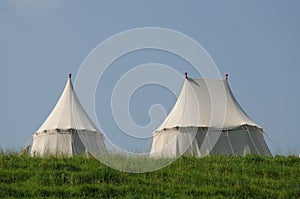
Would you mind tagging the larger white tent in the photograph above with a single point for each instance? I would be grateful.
(68, 130)
(207, 119)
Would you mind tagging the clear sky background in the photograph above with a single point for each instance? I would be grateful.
(256, 42)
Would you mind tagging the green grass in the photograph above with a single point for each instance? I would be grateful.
(188, 177)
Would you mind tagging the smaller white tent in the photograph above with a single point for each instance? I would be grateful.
(68, 130)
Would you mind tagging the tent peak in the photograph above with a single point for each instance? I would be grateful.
(186, 75)
(70, 75)
(226, 76)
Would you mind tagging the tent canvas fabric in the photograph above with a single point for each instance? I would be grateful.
(207, 119)
(68, 130)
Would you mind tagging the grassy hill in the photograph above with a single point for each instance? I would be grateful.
(188, 177)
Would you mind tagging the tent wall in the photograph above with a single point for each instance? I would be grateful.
(66, 142)
(198, 141)
(94, 141)
(173, 142)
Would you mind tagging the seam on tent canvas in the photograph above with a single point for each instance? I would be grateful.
(186, 147)
(208, 141)
(154, 142)
(247, 129)
(229, 141)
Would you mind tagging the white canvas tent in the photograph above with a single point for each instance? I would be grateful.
(207, 119)
(68, 130)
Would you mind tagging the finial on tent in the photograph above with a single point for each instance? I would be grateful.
(70, 75)
(186, 75)
(226, 76)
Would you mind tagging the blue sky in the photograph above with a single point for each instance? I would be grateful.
(256, 42)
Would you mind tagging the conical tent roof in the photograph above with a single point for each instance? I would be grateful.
(68, 113)
(68, 130)
(206, 103)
